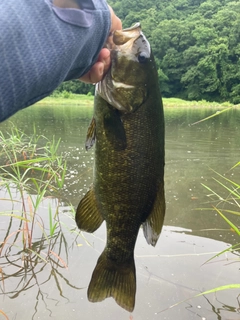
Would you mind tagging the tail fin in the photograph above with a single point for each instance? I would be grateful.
(110, 279)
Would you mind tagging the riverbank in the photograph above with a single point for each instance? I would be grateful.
(67, 98)
(75, 99)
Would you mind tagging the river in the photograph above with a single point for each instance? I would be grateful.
(169, 275)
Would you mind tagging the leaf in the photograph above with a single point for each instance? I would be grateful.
(28, 162)
(234, 247)
(209, 189)
(4, 314)
(14, 216)
(235, 228)
(59, 258)
(236, 165)
(212, 116)
(226, 287)
(37, 254)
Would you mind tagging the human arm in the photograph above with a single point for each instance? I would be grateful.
(42, 45)
(103, 63)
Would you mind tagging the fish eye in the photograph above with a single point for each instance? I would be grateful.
(143, 57)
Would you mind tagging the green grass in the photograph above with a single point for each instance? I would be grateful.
(176, 102)
(230, 197)
(32, 174)
(66, 98)
(31, 171)
(33, 237)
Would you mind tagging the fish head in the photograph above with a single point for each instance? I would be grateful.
(126, 85)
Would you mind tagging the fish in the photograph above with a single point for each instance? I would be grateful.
(127, 129)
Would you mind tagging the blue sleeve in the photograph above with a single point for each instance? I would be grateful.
(42, 45)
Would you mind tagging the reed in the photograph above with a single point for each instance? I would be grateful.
(32, 175)
(33, 171)
(229, 196)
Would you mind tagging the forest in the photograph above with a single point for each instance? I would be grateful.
(196, 44)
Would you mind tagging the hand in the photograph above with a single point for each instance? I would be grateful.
(98, 70)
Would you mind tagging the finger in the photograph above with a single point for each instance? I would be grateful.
(95, 74)
(104, 57)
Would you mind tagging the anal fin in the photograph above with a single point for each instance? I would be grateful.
(153, 225)
(88, 216)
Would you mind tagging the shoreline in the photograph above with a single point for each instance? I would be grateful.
(81, 99)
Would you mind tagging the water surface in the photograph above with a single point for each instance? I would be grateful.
(173, 271)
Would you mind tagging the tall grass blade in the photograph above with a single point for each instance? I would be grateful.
(28, 162)
(233, 192)
(213, 192)
(38, 255)
(14, 216)
(4, 314)
(228, 221)
(226, 287)
(217, 113)
(232, 248)
(52, 224)
(236, 165)
(221, 288)
(59, 258)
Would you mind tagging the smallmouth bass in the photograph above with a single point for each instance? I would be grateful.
(128, 188)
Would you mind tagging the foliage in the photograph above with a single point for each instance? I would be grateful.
(195, 43)
(33, 173)
(31, 178)
(231, 198)
(74, 86)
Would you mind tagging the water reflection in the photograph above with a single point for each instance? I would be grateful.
(43, 261)
(33, 288)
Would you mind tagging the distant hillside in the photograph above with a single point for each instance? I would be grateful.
(196, 44)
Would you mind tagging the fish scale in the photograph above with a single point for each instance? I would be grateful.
(128, 186)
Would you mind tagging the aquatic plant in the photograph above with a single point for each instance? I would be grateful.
(230, 198)
(226, 203)
(31, 179)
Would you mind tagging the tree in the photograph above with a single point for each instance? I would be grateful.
(196, 44)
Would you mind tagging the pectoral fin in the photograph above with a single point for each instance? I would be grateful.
(153, 225)
(91, 135)
(114, 129)
(88, 217)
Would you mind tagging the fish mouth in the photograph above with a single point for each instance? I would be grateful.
(113, 88)
(121, 37)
